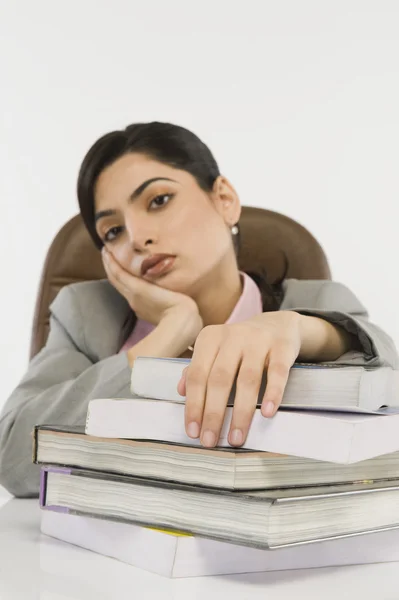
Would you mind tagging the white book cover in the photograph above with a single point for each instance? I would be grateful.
(176, 555)
(313, 386)
(330, 436)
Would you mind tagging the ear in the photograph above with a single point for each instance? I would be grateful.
(226, 201)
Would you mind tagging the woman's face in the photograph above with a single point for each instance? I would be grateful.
(144, 207)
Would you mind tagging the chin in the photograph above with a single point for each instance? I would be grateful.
(175, 282)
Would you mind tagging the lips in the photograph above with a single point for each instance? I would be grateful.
(150, 262)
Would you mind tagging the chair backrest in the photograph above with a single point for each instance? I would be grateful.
(268, 239)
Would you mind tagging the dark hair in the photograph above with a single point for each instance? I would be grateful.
(169, 144)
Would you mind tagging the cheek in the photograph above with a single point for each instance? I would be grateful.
(124, 256)
(206, 246)
(122, 253)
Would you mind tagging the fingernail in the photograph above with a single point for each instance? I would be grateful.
(193, 429)
(268, 410)
(208, 439)
(236, 437)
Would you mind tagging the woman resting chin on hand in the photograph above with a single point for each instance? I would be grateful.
(195, 292)
(153, 198)
(171, 312)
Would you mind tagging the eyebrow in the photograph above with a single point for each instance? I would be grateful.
(133, 196)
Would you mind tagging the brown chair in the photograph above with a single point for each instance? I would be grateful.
(268, 239)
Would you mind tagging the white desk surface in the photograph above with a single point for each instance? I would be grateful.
(33, 567)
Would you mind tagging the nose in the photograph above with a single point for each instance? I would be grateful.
(140, 232)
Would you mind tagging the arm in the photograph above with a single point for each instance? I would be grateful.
(361, 342)
(172, 336)
(60, 382)
(322, 341)
(57, 387)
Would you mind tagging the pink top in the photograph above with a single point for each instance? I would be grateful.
(248, 305)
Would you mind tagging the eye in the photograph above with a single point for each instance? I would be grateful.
(112, 234)
(159, 200)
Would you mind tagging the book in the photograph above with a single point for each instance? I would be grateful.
(263, 519)
(329, 436)
(174, 555)
(227, 468)
(320, 385)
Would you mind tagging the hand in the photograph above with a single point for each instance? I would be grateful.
(222, 352)
(148, 300)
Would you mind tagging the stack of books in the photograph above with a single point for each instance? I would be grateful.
(306, 484)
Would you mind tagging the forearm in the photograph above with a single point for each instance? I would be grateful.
(170, 338)
(323, 341)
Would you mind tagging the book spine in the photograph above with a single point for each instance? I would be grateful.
(43, 488)
(35, 444)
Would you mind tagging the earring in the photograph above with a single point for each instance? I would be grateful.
(234, 230)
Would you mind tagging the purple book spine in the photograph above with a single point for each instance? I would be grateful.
(43, 488)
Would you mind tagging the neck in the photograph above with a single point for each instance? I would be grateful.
(219, 294)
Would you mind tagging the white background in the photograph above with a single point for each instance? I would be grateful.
(298, 100)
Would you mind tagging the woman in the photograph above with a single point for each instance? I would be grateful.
(167, 223)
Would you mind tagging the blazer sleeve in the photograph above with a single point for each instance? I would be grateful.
(57, 387)
(336, 303)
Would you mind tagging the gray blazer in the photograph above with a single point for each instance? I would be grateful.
(80, 362)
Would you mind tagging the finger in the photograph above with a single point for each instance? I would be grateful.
(109, 266)
(116, 272)
(181, 386)
(278, 370)
(109, 273)
(220, 383)
(196, 377)
(248, 384)
(125, 282)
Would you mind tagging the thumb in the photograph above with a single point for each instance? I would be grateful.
(181, 386)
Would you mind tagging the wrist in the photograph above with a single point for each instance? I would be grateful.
(321, 340)
(176, 331)
(185, 321)
(313, 335)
